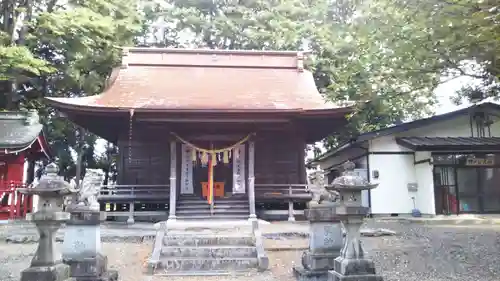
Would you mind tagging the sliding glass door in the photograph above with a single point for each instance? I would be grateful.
(445, 190)
(479, 189)
(490, 193)
(468, 189)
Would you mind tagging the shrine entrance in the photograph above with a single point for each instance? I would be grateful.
(222, 177)
(213, 169)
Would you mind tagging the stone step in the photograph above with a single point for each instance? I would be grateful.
(197, 240)
(219, 206)
(215, 211)
(176, 264)
(212, 217)
(216, 202)
(202, 273)
(204, 251)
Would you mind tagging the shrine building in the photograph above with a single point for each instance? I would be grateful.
(22, 143)
(207, 133)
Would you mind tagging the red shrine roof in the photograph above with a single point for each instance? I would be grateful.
(184, 79)
(20, 131)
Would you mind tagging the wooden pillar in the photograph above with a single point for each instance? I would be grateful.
(291, 217)
(131, 210)
(173, 179)
(251, 179)
(302, 163)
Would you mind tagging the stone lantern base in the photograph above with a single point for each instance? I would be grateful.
(82, 247)
(353, 270)
(58, 272)
(325, 242)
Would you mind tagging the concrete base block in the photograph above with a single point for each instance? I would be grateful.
(58, 272)
(319, 261)
(353, 270)
(91, 269)
(335, 276)
(302, 274)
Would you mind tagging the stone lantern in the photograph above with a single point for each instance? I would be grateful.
(47, 262)
(352, 263)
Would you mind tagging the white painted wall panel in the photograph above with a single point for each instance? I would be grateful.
(395, 172)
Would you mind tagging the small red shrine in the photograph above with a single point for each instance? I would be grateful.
(22, 143)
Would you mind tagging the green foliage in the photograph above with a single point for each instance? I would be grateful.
(65, 50)
(256, 24)
(343, 60)
(18, 62)
(451, 38)
(389, 55)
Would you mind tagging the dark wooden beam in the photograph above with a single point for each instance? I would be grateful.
(214, 120)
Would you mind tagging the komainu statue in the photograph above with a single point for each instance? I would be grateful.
(317, 186)
(90, 187)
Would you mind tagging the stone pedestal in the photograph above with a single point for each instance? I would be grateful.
(325, 243)
(82, 247)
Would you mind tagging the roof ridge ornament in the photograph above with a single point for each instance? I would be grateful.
(300, 61)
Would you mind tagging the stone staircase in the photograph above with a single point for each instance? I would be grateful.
(195, 208)
(205, 251)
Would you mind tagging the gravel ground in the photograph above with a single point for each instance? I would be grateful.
(416, 253)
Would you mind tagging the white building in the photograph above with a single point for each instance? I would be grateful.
(445, 164)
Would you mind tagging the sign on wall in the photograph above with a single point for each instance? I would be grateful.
(186, 170)
(480, 161)
(239, 169)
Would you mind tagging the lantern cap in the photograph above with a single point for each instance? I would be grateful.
(351, 180)
(50, 184)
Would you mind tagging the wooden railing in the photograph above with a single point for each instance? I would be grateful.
(137, 193)
(13, 204)
(289, 193)
(294, 192)
(131, 200)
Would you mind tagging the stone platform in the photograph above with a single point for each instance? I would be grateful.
(195, 249)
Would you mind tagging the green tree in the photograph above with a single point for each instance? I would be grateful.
(392, 54)
(343, 67)
(450, 38)
(66, 50)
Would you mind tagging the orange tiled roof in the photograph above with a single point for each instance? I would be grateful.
(180, 79)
